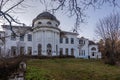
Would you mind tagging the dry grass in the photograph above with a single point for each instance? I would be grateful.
(70, 69)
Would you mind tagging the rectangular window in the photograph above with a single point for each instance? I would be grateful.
(67, 40)
(61, 40)
(29, 50)
(13, 50)
(66, 51)
(29, 37)
(13, 36)
(72, 40)
(21, 37)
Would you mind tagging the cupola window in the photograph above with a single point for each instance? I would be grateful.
(56, 25)
(49, 23)
(39, 22)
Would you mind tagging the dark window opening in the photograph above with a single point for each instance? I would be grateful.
(72, 40)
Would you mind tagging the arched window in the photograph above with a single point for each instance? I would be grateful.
(49, 49)
(39, 49)
(93, 48)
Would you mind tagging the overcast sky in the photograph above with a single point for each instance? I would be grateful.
(66, 23)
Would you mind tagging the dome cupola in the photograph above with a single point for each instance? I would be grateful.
(45, 19)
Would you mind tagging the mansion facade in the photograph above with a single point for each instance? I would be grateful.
(45, 38)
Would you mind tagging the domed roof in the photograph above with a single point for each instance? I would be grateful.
(46, 15)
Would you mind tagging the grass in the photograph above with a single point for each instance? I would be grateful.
(70, 69)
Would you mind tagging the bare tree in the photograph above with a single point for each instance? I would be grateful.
(7, 7)
(77, 8)
(108, 29)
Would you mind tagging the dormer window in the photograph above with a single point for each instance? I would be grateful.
(81, 42)
(49, 23)
(39, 22)
(93, 48)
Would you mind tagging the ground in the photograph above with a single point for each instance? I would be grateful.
(70, 69)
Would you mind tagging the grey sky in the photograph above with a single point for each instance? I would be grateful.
(87, 30)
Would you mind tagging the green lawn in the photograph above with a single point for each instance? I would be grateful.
(70, 69)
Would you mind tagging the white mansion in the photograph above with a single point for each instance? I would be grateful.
(45, 38)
